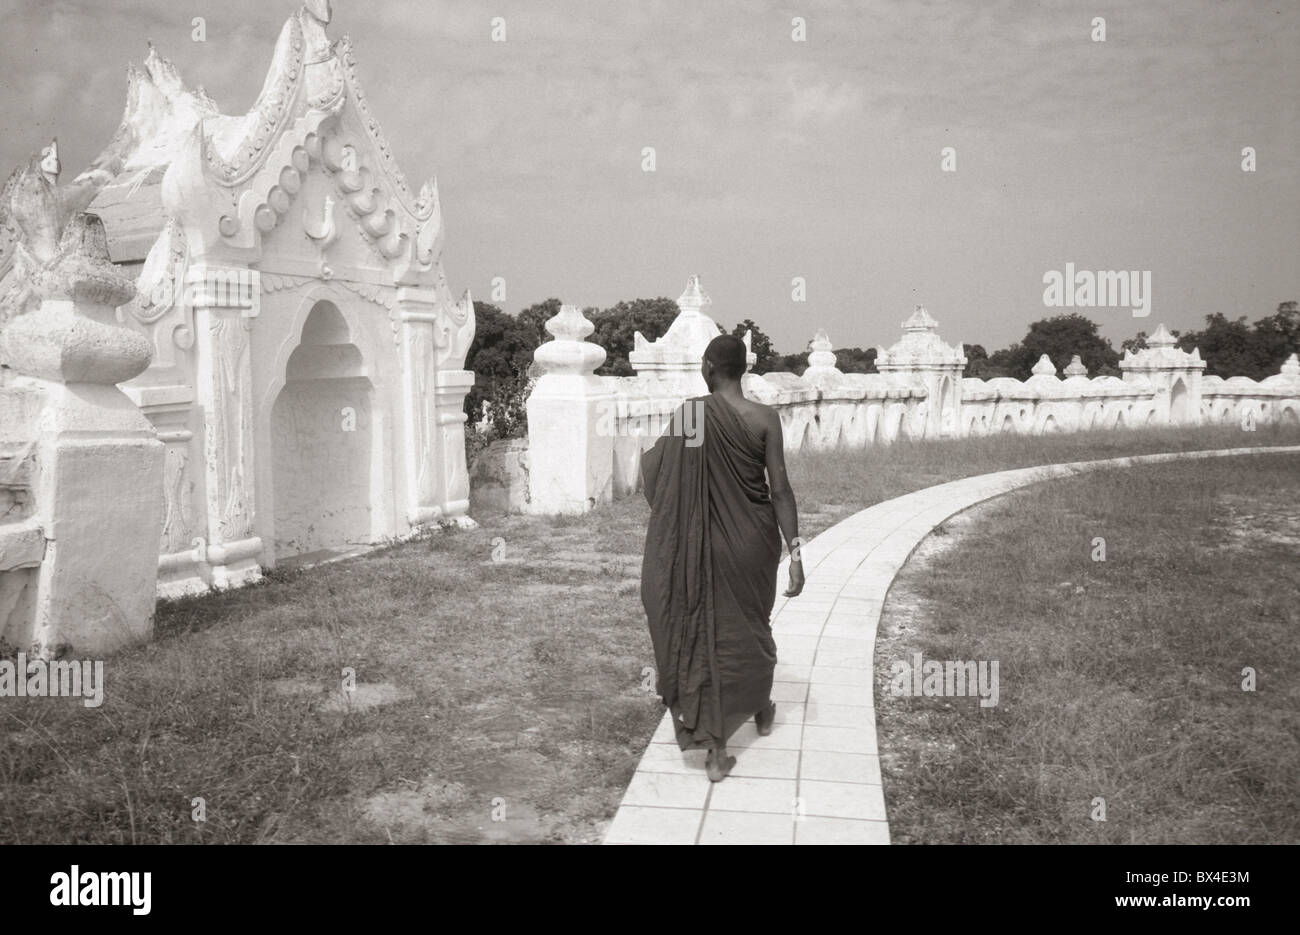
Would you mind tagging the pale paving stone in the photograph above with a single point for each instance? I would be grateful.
(666, 758)
(860, 739)
(863, 606)
(840, 800)
(841, 831)
(858, 628)
(764, 763)
(796, 644)
(784, 736)
(822, 695)
(796, 692)
(789, 616)
(789, 713)
(820, 605)
(840, 767)
(787, 673)
(842, 660)
(795, 657)
(845, 644)
(635, 824)
(747, 828)
(667, 790)
(838, 715)
(782, 628)
(664, 733)
(748, 794)
(834, 675)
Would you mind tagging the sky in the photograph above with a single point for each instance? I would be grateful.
(775, 158)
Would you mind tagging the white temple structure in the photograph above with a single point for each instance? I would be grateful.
(307, 377)
(584, 447)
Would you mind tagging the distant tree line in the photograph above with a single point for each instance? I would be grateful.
(501, 354)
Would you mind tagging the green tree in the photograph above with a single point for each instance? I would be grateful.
(1136, 343)
(533, 320)
(1231, 348)
(856, 359)
(790, 363)
(1279, 335)
(499, 356)
(616, 327)
(759, 343)
(1060, 338)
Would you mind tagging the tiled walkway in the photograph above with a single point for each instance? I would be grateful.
(816, 778)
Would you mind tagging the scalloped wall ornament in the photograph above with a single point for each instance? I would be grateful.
(383, 296)
(279, 282)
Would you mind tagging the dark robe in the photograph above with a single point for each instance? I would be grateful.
(708, 579)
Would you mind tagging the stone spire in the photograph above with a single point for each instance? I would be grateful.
(674, 359)
(919, 346)
(1160, 354)
(569, 353)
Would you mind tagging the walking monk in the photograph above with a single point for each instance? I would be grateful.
(708, 581)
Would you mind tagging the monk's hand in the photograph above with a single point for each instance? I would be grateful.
(796, 578)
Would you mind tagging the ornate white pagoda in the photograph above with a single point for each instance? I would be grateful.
(307, 376)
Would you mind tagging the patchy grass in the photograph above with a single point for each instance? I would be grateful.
(1119, 678)
(486, 689)
(834, 485)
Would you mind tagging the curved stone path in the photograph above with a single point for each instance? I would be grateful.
(816, 778)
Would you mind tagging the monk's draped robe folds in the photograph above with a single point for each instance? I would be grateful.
(708, 580)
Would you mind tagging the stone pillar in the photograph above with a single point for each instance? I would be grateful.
(1174, 374)
(449, 395)
(434, 401)
(417, 318)
(100, 465)
(225, 301)
(570, 445)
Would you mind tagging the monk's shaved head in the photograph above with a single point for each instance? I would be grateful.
(728, 355)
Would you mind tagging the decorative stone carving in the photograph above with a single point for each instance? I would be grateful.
(821, 362)
(672, 363)
(1044, 367)
(100, 466)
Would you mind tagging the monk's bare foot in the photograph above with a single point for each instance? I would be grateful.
(718, 764)
(764, 719)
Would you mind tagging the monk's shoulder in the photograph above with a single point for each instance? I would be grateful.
(762, 417)
(767, 413)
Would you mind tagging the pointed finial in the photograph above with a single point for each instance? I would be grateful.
(694, 298)
(820, 355)
(1044, 367)
(1161, 338)
(920, 320)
